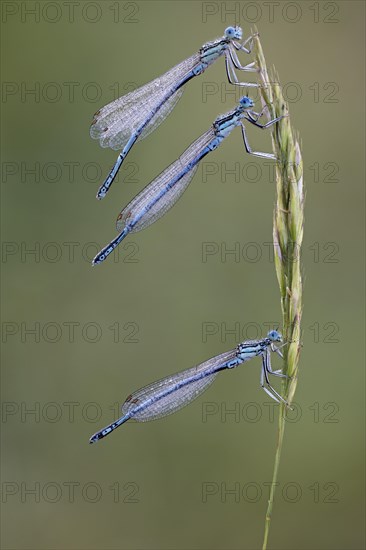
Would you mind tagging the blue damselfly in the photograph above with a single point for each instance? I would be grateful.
(135, 115)
(164, 191)
(170, 394)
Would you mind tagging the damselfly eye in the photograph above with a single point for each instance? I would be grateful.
(275, 336)
(230, 32)
(246, 102)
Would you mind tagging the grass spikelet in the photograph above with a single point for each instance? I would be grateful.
(288, 224)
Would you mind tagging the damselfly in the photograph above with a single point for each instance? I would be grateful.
(164, 191)
(135, 115)
(176, 391)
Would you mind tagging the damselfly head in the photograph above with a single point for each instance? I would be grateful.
(233, 33)
(274, 336)
(245, 102)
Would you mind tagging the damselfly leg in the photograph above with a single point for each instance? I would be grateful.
(264, 381)
(248, 149)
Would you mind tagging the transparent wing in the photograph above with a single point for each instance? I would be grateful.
(174, 392)
(114, 123)
(154, 191)
(162, 113)
(116, 136)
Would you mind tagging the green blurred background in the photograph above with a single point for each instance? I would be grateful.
(164, 305)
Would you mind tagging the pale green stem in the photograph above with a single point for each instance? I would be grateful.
(288, 223)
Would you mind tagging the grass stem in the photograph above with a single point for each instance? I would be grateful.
(288, 223)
